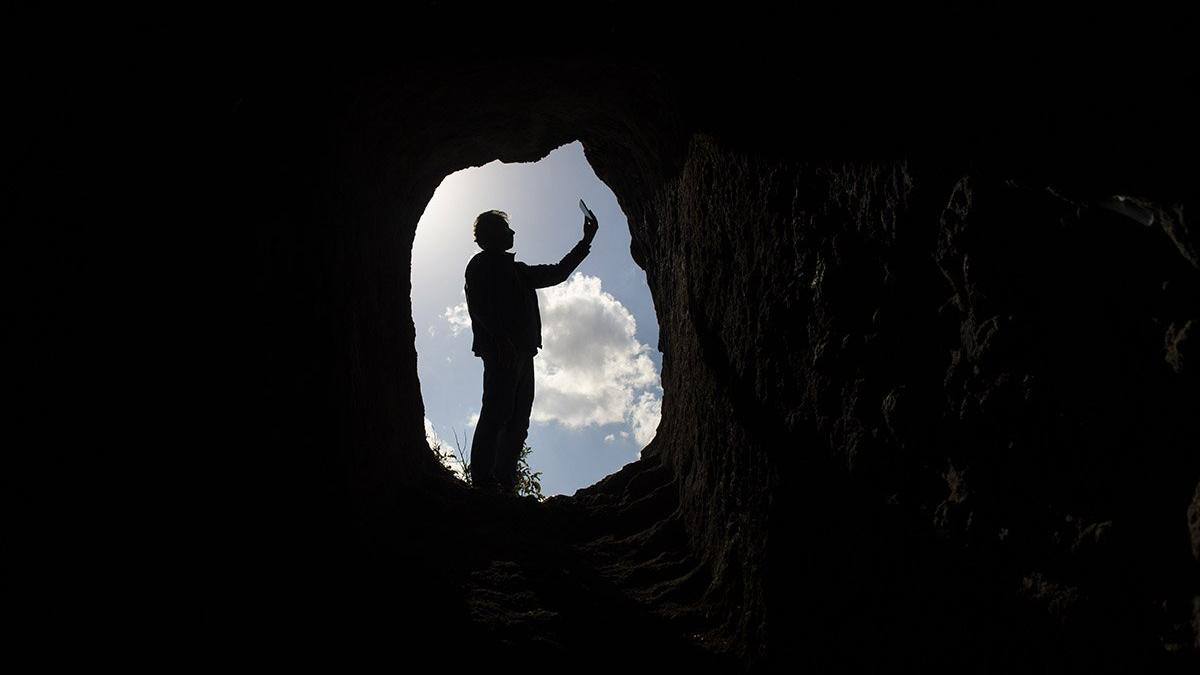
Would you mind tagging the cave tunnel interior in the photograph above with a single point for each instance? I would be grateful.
(928, 399)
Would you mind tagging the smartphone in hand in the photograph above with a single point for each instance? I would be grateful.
(586, 211)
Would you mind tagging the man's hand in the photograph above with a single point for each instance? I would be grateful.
(590, 226)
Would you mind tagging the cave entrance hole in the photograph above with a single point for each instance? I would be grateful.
(597, 378)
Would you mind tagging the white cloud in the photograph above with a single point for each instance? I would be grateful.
(458, 318)
(592, 370)
(610, 438)
(473, 419)
(431, 435)
(644, 419)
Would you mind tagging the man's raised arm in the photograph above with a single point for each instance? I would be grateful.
(541, 276)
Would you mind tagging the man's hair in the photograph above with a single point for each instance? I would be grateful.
(489, 227)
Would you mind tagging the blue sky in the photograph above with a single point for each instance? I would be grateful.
(597, 383)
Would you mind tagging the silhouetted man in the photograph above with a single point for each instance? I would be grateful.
(502, 301)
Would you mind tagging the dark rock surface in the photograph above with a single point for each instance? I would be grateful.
(927, 305)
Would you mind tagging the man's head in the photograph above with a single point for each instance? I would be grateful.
(492, 232)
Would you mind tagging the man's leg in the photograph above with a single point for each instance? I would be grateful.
(499, 386)
(512, 436)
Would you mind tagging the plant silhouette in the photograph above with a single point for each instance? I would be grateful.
(529, 482)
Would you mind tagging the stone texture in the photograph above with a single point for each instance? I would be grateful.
(1194, 523)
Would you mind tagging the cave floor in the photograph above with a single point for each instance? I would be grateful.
(568, 578)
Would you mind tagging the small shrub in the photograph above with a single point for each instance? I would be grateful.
(529, 482)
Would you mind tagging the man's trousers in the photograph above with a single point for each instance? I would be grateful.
(503, 421)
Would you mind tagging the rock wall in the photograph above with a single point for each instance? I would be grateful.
(949, 396)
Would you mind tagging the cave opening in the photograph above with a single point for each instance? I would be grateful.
(597, 379)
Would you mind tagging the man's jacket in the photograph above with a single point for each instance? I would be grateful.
(502, 297)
